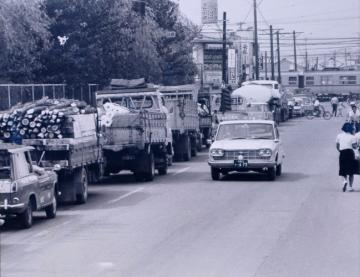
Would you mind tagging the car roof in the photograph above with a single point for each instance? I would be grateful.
(14, 148)
(229, 122)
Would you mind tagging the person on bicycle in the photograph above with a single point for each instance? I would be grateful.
(317, 107)
(334, 102)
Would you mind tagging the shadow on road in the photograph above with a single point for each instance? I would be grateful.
(256, 177)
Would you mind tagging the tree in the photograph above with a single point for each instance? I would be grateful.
(23, 36)
(106, 39)
(175, 51)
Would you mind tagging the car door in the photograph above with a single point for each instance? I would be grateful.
(44, 184)
(25, 180)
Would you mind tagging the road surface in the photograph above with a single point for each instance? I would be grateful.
(186, 225)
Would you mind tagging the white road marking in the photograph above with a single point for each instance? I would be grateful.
(41, 234)
(106, 264)
(181, 171)
(125, 195)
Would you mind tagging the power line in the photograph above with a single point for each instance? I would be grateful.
(314, 21)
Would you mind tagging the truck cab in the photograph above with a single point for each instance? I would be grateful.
(24, 186)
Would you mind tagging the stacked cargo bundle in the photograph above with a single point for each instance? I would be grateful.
(109, 111)
(45, 118)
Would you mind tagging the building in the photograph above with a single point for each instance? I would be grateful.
(208, 48)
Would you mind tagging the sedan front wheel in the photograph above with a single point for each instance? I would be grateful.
(215, 174)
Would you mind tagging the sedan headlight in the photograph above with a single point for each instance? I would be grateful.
(265, 152)
(217, 152)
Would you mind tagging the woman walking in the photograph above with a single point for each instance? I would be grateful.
(345, 144)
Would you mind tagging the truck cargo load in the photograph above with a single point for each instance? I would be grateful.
(137, 136)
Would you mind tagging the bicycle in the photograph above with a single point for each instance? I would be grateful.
(321, 112)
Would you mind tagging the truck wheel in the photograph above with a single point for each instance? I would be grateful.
(199, 144)
(278, 170)
(271, 174)
(215, 174)
(82, 181)
(51, 209)
(187, 148)
(150, 168)
(194, 152)
(26, 218)
(163, 170)
(169, 160)
(139, 177)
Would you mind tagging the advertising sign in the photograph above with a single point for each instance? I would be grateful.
(209, 11)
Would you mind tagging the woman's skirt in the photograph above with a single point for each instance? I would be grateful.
(347, 163)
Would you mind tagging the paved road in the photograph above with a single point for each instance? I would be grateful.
(184, 224)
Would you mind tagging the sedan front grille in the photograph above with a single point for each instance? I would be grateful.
(247, 155)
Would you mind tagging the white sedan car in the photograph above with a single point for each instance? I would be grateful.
(246, 145)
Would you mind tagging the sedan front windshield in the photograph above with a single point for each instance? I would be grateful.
(245, 131)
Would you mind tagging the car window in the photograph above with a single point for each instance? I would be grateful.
(245, 131)
(5, 166)
(22, 168)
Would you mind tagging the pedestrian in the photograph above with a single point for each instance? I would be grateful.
(345, 144)
(334, 102)
(353, 115)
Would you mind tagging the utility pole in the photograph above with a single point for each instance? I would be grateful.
(224, 54)
(346, 63)
(266, 66)
(272, 54)
(295, 57)
(256, 43)
(279, 58)
(317, 63)
(306, 56)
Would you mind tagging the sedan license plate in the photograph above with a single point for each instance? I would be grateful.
(241, 163)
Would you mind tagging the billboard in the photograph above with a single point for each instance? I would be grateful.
(209, 11)
(213, 59)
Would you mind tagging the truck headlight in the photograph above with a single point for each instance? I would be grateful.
(217, 152)
(265, 152)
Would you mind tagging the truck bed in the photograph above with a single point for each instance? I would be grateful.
(183, 114)
(68, 153)
(135, 130)
(181, 102)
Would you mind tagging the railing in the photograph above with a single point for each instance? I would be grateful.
(12, 94)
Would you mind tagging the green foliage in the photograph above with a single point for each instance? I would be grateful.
(23, 37)
(101, 39)
(106, 39)
(177, 66)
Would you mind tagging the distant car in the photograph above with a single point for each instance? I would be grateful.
(298, 108)
(246, 145)
(25, 187)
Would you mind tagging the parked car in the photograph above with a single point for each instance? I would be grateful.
(246, 145)
(24, 186)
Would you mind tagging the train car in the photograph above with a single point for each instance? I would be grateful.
(335, 82)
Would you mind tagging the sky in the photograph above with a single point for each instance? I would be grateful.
(314, 18)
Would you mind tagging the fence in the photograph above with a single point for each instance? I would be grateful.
(12, 94)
